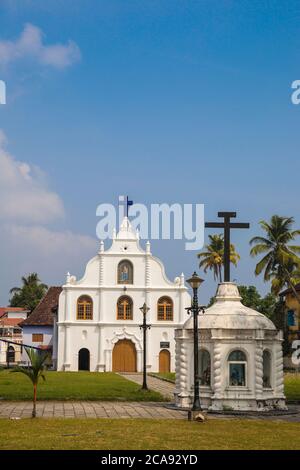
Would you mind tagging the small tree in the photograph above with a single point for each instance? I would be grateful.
(34, 371)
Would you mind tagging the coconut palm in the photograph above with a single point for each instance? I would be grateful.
(30, 294)
(35, 371)
(280, 277)
(212, 257)
(280, 263)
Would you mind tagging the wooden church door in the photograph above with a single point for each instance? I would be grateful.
(164, 361)
(124, 356)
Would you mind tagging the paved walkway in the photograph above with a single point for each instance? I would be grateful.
(166, 389)
(89, 409)
(100, 409)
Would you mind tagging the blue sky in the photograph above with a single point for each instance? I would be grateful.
(167, 101)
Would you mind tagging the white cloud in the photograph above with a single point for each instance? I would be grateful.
(50, 253)
(27, 241)
(47, 243)
(23, 194)
(30, 45)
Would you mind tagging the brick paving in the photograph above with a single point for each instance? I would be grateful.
(166, 389)
(89, 409)
(117, 410)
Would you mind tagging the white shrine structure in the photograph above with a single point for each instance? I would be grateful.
(240, 358)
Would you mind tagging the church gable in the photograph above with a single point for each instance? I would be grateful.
(91, 274)
(125, 263)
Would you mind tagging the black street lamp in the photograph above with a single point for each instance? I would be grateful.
(195, 282)
(144, 309)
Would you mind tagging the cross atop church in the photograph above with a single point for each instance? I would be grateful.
(127, 203)
(226, 225)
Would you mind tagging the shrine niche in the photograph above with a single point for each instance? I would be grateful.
(125, 272)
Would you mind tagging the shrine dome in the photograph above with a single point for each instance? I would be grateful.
(240, 361)
(228, 312)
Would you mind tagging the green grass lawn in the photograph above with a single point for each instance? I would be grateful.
(292, 386)
(74, 386)
(147, 434)
(96, 386)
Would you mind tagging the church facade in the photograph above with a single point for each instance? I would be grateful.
(99, 317)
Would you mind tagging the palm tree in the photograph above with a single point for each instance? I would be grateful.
(280, 277)
(34, 371)
(212, 258)
(280, 263)
(30, 294)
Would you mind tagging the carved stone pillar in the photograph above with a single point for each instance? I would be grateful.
(279, 385)
(217, 372)
(258, 364)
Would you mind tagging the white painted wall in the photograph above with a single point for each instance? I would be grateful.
(100, 283)
(29, 330)
(21, 315)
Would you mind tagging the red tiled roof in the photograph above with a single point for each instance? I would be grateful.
(3, 310)
(43, 314)
(10, 321)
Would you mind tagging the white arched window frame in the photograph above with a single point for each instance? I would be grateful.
(237, 368)
(84, 308)
(165, 309)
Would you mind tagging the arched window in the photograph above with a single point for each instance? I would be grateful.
(165, 309)
(204, 367)
(125, 272)
(84, 308)
(124, 308)
(266, 369)
(237, 368)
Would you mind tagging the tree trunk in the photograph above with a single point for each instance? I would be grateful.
(34, 401)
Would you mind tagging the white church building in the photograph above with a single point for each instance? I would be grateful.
(99, 317)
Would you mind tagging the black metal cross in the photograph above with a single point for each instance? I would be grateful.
(128, 203)
(226, 225)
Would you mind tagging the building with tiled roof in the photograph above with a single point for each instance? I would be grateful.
(292, 317)
(10, 330)
(39, 329)
(5, 310)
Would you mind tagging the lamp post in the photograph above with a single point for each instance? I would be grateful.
(195, 282)
(144, 309)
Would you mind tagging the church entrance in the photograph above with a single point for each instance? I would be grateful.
(164, 361)
(124, 356)
(84, 359)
